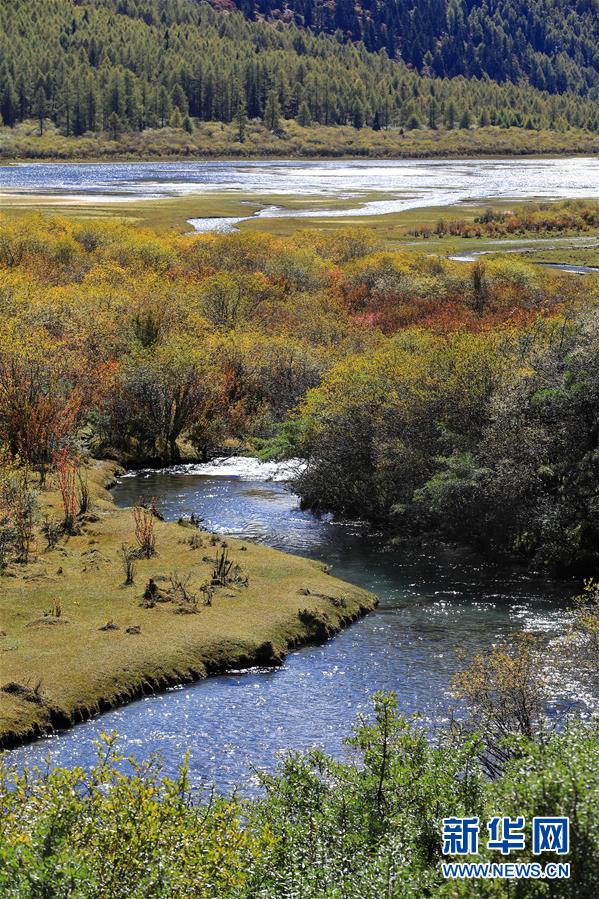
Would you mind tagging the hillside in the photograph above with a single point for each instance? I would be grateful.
(129, 65)
(554, 44)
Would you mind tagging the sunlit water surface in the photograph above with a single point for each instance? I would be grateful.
(430, 604)
(383, 186)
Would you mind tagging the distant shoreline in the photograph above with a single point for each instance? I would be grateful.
(207, 157)
(208, 143)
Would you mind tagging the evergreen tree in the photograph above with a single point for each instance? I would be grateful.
(432, 114)
(115, 126)
(241, 117)
(358, 115)
(40, 107)
(450, 116)
(10, 102)
(176, 119)
(164, 106)
(304, 116)
(272, 111)
(179, 100)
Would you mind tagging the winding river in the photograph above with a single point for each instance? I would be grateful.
(430, 604)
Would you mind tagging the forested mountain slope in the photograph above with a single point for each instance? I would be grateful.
(552, 43)
(110, 65)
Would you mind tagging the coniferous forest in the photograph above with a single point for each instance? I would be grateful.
(550, 43)
(128, 65)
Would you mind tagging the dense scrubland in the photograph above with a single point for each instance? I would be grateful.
(448, 401)
(436, 397)
(102, 77)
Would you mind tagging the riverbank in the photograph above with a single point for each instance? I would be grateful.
(76, 641)
(215, 140)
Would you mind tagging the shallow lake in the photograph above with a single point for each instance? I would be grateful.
(430, 604)
(374, 187)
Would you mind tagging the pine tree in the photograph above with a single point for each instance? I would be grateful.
(450, 115)
(132, 106)
(304, 117)
(272, 111)
(10, 101)
(91, 102)
(358, 115)
(241, 117)
(115, 126)
(164, 106)
(176, 119)
(40, 107)
(432, 114)
(66, 108)
(179, 100)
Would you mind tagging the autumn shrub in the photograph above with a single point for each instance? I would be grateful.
(568, 217)
(506, 696)
(52, 529)
(67, 466)
(39, 402)
(128, 557)
(154, 399)
(486, 439)
(375, 427)
(585, 626)
(19, 510)
(145, 521)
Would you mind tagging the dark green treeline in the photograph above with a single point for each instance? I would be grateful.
(133, 64)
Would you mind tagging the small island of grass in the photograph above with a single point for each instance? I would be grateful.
(76, 639)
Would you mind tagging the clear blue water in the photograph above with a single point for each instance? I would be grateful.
(430, 603)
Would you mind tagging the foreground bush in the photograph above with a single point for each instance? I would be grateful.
(104, 833)
(366, 827)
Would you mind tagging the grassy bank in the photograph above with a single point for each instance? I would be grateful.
(220, 141)
(59, 662)
(391, 230)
